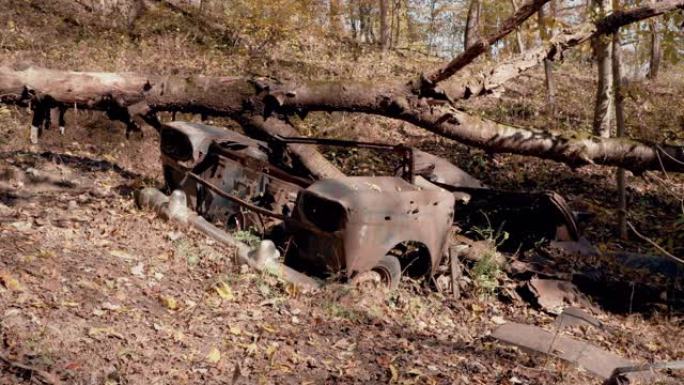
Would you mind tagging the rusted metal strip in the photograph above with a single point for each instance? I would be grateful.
(585, 355)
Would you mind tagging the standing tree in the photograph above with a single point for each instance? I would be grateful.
(335, 18)
(518, 34)
(472, 29)
(655, 54)
(548, 67)
(620, 126)
(604, 93)
(384, 31)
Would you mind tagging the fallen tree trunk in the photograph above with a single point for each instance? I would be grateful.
(440, 117)
(251, 101)
(130, 98)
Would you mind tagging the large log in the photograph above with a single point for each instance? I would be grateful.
(252, 101)
(127, 97)
(440, 117)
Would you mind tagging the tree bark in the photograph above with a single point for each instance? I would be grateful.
(518, 35)
(335, 18)
(384, 33)
(548, 67)
(472, 28)
(655, 54)
(126, 96)
(603, 107)
(620, 128)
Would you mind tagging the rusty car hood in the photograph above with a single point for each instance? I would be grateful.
(380, 213)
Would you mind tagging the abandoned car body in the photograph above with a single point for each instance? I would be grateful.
(365, 219)
(343, 226)
(338, 226)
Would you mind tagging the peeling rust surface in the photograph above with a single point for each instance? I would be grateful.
(332, 226)
(554, 295)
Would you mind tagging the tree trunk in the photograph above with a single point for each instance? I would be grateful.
(127, 96)
(655, 54)
(384, 33)
(336, 25)
(472, 28)
(604, 93)
(518, 35)
(620, 128)
(392, 23)
(548, 67)
(410, 25)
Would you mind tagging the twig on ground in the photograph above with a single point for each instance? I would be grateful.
(654, 244)
(35, 373)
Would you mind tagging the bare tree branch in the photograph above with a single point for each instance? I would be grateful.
(493, 77)
(471, 53)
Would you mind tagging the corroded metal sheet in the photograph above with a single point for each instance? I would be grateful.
(583, 354)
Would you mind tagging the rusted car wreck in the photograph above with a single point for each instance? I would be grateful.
(346, 227)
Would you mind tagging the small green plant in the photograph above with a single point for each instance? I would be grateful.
(184, 249)
(248, 237)
(486, 273)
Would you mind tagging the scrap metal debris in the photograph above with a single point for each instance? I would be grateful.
(594, 360)
(554, 295)
(347, 226)
(573, 316)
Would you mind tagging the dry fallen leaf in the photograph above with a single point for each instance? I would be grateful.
(235, 330)
(394, 374)
(101, 333)
(10, 282)
(214, 356)
(138, 270)
(169, 302)
(224, 291)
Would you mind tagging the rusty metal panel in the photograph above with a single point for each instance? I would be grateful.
(554, 295)
(583, 354)
(368, 216)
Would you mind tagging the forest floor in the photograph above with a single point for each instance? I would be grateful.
(95, 291)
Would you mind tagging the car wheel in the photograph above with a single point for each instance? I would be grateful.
(387, 272)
